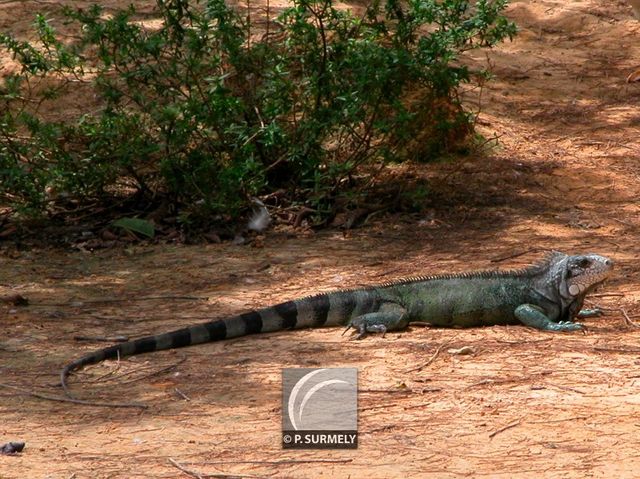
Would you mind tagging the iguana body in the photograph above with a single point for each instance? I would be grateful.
(547, 296)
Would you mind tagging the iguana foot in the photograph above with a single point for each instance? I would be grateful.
(566, 326)
(590, 313)
(390, 317)
(534, 317)
(362, 328)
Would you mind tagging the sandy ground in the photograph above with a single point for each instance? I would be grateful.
(525, 404)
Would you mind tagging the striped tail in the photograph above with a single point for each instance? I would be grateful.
(330, 309)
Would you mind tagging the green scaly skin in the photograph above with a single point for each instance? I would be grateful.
(546, 296)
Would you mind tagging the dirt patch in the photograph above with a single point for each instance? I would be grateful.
(525, 404)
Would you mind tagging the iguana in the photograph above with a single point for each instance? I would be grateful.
(547, 296)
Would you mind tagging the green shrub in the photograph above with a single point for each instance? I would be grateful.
(201, 113)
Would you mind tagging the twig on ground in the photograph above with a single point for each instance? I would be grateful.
(604, 295)
(379, 406)
(47, 397)
(566, 388)
(106, 339)
(508, 380)
(504, 428)
(524, 341)
(154, 373)
(564, 419)
(200, 475)
(140, 369)
(189, 472)
(283, 461)
(405, 391)
(628, 320)
(431, 359)
(181, 394)
(606, 349)
(623, 222)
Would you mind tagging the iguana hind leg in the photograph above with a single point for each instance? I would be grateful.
(390, 317)
(532, 316)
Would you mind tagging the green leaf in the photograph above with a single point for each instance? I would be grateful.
(136, 225)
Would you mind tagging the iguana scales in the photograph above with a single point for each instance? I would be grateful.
(547, 296)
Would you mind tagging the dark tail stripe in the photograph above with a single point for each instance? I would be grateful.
(366, 303)
(321, 307)
(181, 338)
(144, 345)
(252, 322)
(107, 353)
(289, 313)
(349, 303)
(217, 330)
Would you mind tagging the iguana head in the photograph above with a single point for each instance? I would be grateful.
(581, 273)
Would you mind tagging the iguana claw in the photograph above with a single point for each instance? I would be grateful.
(360, 331)
(362, 328)
(568, 326)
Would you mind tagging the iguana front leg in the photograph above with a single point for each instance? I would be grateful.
(534, 317)
(389, 317)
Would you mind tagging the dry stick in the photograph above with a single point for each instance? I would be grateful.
(105, 375)
(617, 350)
(502, 429)
(524, 341)
(379, 406)
(627, 319)
(199, 475)
(181, 394)
(566, 388)
(155, 373)
(284, 461)
(106, 339)
(185, 470)
(604, 295)
(623, 222)
(431, 359)
(548, 421)
(127, 404)
(404, 391)
(507, 380)
(73, 400)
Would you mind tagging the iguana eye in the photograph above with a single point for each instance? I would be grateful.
(584, 262)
